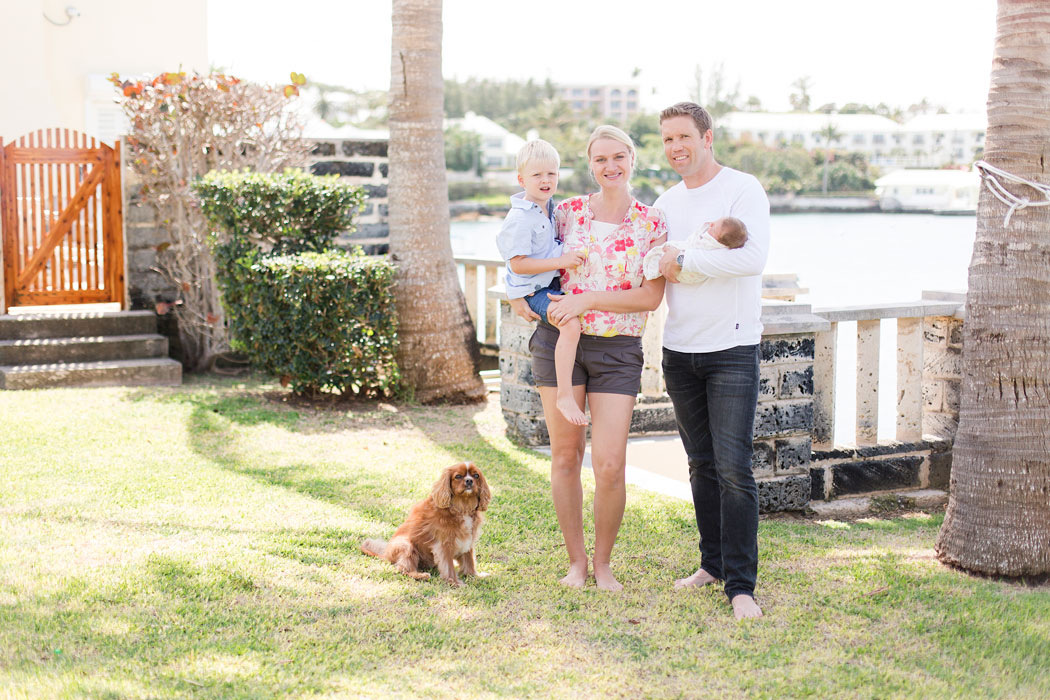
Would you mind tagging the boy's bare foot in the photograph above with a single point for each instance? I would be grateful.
(569, 409)
(577, 575)
(700, 578)
(603, 577)
(745, 607)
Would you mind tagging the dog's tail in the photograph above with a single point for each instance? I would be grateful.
(377, 548)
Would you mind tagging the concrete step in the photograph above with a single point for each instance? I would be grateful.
(38, 351)
(881, 502)
(74, 323)
(157, 371)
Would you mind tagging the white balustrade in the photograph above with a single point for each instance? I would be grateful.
(483, 281)
(912, 317)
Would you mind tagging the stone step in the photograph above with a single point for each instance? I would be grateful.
(38, 351)
(157, 371)
(73, 323)
(881, 502)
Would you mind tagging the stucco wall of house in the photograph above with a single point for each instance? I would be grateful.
(47, 67)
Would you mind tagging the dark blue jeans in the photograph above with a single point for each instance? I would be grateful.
(714, 396)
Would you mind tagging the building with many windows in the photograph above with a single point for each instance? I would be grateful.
(925, 141)
(614, 102)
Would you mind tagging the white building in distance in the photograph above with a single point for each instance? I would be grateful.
(925, 141)
(619, 102)
(499, 147)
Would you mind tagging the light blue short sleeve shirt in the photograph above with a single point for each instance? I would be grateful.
(528, 230)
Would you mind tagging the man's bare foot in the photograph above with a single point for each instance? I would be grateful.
(603, 577)
(569, 409)
(700, 578)
(577, 575)
(745, 607)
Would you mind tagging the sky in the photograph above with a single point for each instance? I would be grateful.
(892, 51)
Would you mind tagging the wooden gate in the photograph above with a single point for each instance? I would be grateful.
(61, 216)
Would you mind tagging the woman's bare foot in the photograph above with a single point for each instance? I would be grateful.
(745, 607)
(577, 575)
(603, 577)
(700, 578)
(567, 405)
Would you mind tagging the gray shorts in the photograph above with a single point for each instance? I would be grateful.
(604, 365)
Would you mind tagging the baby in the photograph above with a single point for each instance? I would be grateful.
(727, 232)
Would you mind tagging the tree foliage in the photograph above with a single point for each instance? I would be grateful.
(496, 99)
(461, 150)
(183, 126)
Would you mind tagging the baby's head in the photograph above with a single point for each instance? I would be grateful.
(729, 231)
(538, 164)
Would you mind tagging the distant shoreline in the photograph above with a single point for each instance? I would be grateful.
(470, 210)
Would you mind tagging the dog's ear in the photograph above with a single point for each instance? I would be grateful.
(484, 494)
(441, 493)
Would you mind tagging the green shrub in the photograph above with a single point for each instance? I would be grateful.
(280, 212)
(319, 321)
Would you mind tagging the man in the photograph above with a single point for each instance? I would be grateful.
(710, 356)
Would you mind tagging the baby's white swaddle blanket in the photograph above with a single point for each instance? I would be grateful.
(700, 239)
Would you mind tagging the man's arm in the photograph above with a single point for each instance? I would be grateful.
(752, 207)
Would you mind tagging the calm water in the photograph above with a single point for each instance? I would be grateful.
(843, 259)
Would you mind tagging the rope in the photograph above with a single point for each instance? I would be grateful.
(990, 174)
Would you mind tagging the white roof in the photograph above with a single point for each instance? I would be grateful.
(951, 178)
(806, 122)
(483, 126)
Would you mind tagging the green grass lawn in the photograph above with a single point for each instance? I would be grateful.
(202, 542)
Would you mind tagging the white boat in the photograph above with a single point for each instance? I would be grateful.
(937, 191)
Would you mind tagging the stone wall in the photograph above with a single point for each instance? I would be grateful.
(143, 234)
(783, 418)
(942, 376)
(357, 161)
(361, 162)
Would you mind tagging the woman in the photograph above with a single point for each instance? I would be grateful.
(612, 298)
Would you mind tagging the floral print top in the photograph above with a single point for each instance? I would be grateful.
(614, 262)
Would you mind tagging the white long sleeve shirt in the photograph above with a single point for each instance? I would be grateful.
(723, 310)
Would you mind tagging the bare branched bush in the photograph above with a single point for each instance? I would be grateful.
(183, 126)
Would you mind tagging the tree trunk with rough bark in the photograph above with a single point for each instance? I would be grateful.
(438, 352)
(998, 519)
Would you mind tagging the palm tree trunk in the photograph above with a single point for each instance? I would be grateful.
(998, 519)
(438, 352)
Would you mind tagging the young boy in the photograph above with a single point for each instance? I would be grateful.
(529, 243)
(727, 232)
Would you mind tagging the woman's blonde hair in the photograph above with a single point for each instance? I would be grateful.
(607, 131)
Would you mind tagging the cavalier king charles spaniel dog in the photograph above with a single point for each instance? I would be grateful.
(442, 529)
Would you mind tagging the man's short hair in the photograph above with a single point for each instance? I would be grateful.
(698, 114)
(734, 232)
(540, 151)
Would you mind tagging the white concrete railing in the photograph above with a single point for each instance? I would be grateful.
(913, 320)
(478, 275)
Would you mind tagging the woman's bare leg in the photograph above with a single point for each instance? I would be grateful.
(567, 447)
(611, 419)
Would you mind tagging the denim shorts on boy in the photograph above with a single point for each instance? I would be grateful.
(538, 301)
(610, 365)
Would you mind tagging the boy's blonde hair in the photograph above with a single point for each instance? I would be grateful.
(538, 150)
